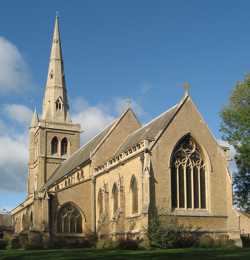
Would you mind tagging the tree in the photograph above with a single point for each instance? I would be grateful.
(236, 130)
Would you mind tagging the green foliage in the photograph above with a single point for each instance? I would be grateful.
(14, 243)
(88, 241)
(207, 241)
(3, 244)
(236, 130)
(128, 244)
(165, 232)
(104, 254)
(245, 240)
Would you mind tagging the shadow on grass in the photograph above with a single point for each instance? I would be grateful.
(164, 254)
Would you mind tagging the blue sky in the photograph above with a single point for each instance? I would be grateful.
(114, 50)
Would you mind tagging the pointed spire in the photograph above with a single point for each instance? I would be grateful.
(35, 119)
(55, 103)
(56, 51)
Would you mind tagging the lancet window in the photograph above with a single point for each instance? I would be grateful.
(134, 195)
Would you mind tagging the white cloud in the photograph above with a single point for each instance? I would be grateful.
(14, 74)
(94, 118)
(91, 118)
(121, 104)
(14, 148)
(13, 162)
(19, 113)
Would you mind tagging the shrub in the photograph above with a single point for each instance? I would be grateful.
(206, 241)
(34, 241)
(166, 232)
(74, 242)
(23, 239)
(128, 244)
(245, 240)
(3, 244)
(106, 244)
(14, 243)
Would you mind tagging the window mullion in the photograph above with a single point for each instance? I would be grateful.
(185, 185)
(192, 185)
(177, 184)
(199, 184)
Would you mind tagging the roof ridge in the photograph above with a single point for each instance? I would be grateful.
(114, 126)
(146, 125)
(178, 107)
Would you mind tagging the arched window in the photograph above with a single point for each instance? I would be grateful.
(188, 175)
(59, 104)
(54, 145)
(64, 146)
(31, 219)
(100, 202)
(69, 219)
(115, 198)
(134, 195)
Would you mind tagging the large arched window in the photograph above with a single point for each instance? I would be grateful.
(188, 175)
(54, 145)
(134, 195)
(115, 198)
(64, 146)
(100, 202)
(69, 219)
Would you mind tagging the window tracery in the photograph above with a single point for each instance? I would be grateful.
(188, 176)
(69, 220)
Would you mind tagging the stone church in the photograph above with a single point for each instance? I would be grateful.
(112, 184)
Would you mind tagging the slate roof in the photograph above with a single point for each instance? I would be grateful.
(149, 131)
(79, 157)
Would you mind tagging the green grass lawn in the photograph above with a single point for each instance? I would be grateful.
(171, 254)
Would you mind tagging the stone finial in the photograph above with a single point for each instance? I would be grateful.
(186, 88)
(128, 103)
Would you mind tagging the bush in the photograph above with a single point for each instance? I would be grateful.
(168, 233)
(245, 240)
(34, 241)
(14, 243)
(3, 244)
(128, 244)
(106, 244)
(23, 239)
(74, 242)
(206, 241)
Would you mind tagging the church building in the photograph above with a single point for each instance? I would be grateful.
(115, 182)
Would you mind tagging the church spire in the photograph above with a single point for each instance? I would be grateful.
(55, 102)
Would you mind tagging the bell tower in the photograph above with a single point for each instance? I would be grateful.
(53, 137)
